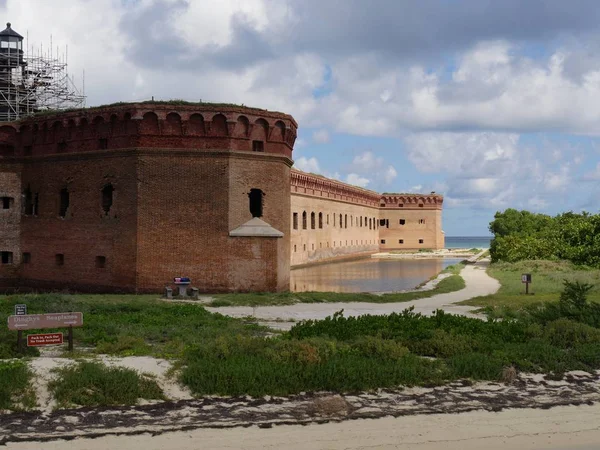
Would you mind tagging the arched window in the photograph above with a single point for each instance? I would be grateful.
(345, 220)
(320, 220)
(304, 220)
(312, 220)
(341, 224)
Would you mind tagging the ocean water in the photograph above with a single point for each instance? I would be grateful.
(468, 241)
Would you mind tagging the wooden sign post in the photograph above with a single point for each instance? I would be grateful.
(43, 321)
(526, 278)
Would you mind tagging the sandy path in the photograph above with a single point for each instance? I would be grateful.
(565, 428)
(477, 281)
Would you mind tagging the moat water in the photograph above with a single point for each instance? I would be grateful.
(367, 275)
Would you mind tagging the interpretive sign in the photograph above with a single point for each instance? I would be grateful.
(38, 340)
(41, 321)
(20, 310)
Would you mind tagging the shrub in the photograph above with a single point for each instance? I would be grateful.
(565, 333)
(376, 347)
(15, 386)
(443, 344)
(95, 384)
(574, 295)
(477, 366)
(124, 346)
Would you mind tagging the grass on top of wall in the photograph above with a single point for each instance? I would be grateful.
(546, 286)
(450, 284)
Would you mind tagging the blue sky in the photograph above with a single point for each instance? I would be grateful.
(494, 104)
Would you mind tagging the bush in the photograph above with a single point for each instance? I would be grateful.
(574, 295)
(95, 384)
(15, 386)
(124, 346)
(443, 345)
(565, 333)
(376, 347)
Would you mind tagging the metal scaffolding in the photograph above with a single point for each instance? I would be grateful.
(35, 80)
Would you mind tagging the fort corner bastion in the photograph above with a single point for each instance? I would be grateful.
(125, 197)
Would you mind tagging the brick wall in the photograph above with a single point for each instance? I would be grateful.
(86, 231)
(10, 215)
(422, 222)
(177, 188)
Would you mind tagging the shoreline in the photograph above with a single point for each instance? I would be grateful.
(236, 414)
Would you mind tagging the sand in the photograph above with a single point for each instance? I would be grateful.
(565, 428)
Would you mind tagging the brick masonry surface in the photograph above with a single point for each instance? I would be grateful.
(123, 198)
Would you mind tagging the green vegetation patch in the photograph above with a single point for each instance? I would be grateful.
(16, 392)
(521, 235)
(349, 354)
(127, 325)
(450, 284)
(95, 384)
(547, 283)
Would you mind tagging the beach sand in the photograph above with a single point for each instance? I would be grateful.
(565, 428)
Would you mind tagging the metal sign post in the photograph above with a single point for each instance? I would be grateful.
(20, 310)
(526, 278)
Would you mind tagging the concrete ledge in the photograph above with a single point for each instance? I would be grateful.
(256, 227)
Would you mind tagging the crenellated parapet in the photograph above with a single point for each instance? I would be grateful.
(409, 201)
(326, 188)
(150, 125)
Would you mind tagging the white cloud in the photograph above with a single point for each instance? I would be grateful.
(374, 167)
(467, 154)
(366, 161)
(357, 180)
(492, 85)
(593, 175)
(390, 174)
(555, 181)
(307, 165)
(321, 137)
(491, 170)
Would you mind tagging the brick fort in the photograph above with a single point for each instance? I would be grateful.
(123, 198)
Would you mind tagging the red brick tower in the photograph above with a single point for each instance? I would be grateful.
(126, 197)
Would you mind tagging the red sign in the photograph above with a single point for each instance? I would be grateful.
(41, 321)
(37, 340)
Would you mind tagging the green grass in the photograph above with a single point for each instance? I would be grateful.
(127, 325)
(354, 354)
(16, 392)
(450, 284)
(219, 355)
(95, 384)
(547, 283)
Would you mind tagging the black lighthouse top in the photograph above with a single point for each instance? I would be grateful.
(10, 32)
